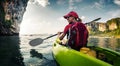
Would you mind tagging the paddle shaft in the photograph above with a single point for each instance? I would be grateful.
(40, 40)
(49, 36)
(93, 20)
(56, 34)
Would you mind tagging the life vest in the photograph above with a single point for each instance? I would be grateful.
(78, 35)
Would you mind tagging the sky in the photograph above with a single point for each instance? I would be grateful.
(46, 16)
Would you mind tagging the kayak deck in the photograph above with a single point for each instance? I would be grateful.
(69, 57)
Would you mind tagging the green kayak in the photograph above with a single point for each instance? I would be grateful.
(94, 56)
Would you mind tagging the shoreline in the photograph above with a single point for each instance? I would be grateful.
(99, 36)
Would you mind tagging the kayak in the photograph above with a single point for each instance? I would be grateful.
(90, 56)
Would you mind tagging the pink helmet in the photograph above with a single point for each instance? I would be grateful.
(71, 13)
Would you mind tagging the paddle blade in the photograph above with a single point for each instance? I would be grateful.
(36, 42)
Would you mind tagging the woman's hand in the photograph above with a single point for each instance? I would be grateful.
(59, 33)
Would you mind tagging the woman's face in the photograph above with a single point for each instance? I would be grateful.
(70, 19)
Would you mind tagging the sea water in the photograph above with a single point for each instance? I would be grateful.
(16, 50)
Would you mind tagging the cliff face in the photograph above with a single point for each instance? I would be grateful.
(114, 23)
(11, 14)
(111, 26)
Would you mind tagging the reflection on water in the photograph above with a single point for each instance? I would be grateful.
(111, 43)
(40, 55)
(16, 51)
(34, 53)
(9, 51)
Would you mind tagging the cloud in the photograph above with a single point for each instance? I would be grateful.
(98, 5)
(36, 27)
(61, 2)
(72, 4)
(43, 3)
(82, 17)
(117, 2)
(61, 19)
(114, 13)
(78, 0)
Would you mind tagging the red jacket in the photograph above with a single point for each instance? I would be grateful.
(77, 35)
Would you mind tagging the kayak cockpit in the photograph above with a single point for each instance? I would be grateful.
(90, 56)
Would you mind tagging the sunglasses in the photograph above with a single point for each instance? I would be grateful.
(69, 17)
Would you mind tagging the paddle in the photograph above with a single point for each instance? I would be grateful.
(38, 41)
(93, 20)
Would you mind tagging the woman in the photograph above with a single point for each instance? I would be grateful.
(76, 31)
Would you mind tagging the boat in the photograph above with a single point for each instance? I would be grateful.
(90, 56)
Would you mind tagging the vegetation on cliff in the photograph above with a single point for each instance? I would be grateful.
(117, 22)
(113, 23)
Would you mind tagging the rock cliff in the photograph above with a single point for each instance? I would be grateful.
(11, 14)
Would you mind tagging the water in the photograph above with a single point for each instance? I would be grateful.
(16, 50)
(107, 42)
(40, 55)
